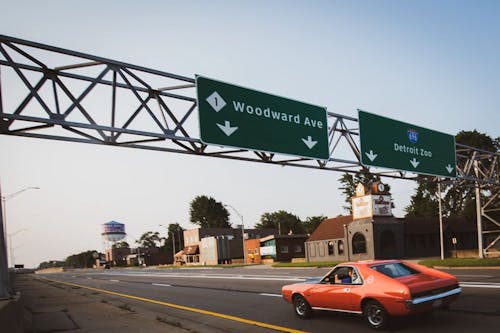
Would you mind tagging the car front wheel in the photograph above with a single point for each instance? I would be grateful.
(302, 308)
(375, 315)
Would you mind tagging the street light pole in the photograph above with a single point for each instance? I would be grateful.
(242, 231)
(5, 290)
(11, 250)
(4, 206)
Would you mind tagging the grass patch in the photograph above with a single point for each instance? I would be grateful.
(318, 264)
(459, 262)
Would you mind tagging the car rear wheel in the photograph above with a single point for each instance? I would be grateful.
(302, 308)
(375, 315)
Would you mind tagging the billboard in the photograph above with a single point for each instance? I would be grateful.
(382, 205)
(362, 207)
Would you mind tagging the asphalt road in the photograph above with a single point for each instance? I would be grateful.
(254, 294)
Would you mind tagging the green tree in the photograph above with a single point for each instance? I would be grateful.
(120, 245)
(312, 222)
(176, 232)
(349, 182)
(424, 203)
(50, 264)
(282, 221)
(149, 239)
(81, 260)
(209, 213)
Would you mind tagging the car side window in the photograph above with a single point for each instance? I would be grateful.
(343, 275)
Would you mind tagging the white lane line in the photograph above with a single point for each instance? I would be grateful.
(473, 275)
(161, 285)
(89, 278)
(114, 280)
(226, 277)
(479, 285)
(272, 295)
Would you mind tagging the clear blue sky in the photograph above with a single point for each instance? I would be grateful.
(431, 63)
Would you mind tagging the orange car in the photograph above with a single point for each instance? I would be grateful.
(376, 289)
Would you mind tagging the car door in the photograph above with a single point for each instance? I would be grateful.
(335, 294)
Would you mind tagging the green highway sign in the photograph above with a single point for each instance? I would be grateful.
(394, 144)
(244, 118)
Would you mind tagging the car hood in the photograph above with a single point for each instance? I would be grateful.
(418, 283)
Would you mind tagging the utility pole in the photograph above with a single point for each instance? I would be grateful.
(478, 213)
(441, 242)
(5, 291)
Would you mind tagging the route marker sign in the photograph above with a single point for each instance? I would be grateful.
(394, 144)
(244, 118)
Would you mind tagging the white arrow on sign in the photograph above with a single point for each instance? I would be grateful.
(449, 168)
(414, 162)
(371, 155)
(309, 142)
(227, 129)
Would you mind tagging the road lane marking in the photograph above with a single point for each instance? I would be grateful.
(479, 285)
(182, 307)
(272, 295)
(114, 280)
(161, 285)
(224, 277)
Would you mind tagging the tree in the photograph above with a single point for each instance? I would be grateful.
(120, 245)
(82, 260)
(424, 203)
(312, 222)
(50, 264)
(350, 182)
(149, 239)
(208, 213)
(283, 221)
(177, 232)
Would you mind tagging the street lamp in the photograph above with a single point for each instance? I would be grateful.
(242, 231)
(4, 214)
(5, 290)
(11, 250)
(8, 197)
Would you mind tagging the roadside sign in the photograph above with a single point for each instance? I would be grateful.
(244, 118)
(398, 145)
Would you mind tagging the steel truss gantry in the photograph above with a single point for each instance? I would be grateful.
(53, 93)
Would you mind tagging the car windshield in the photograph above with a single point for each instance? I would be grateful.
(395, 270)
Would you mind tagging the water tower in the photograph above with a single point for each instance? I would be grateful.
(112, 232)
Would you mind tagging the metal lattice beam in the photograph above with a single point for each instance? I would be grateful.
(76, 97)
